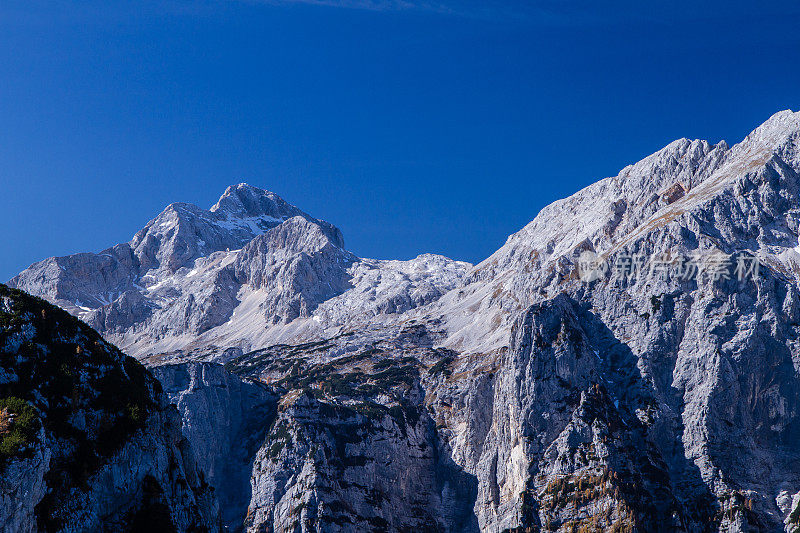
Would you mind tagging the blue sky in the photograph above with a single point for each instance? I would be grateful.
(431, 126)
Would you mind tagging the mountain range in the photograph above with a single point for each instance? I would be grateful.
(320, 391)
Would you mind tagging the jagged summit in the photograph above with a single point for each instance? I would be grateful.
(776, 128)
(244, 200)
(250, 205)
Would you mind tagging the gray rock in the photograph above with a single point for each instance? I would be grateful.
(226, 420)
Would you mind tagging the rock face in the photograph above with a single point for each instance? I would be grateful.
(88, 441)
(353, 446)
(703, 372)
(657, 390)
(323, 467)
(23, 486)
(225, 419)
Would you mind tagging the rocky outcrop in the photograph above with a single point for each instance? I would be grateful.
(88, 441)
(353, 446)
(330, 466)
(298, 265)
(564, 450)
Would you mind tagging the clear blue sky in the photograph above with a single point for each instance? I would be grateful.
(436, 126)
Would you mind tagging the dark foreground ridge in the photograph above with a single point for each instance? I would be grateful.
(87, 439)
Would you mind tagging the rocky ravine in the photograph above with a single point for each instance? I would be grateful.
(510, 396)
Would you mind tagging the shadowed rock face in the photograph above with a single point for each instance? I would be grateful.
(92, 443)
(512, 396)
(225, 419)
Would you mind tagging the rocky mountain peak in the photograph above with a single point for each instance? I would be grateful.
(684, 161)
(779, 126)
(236, 273)
(741, 195)
(243, 201)
(183, 232)
(778, 136)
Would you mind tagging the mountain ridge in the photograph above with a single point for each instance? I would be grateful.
(245, 212)
(191, 261)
